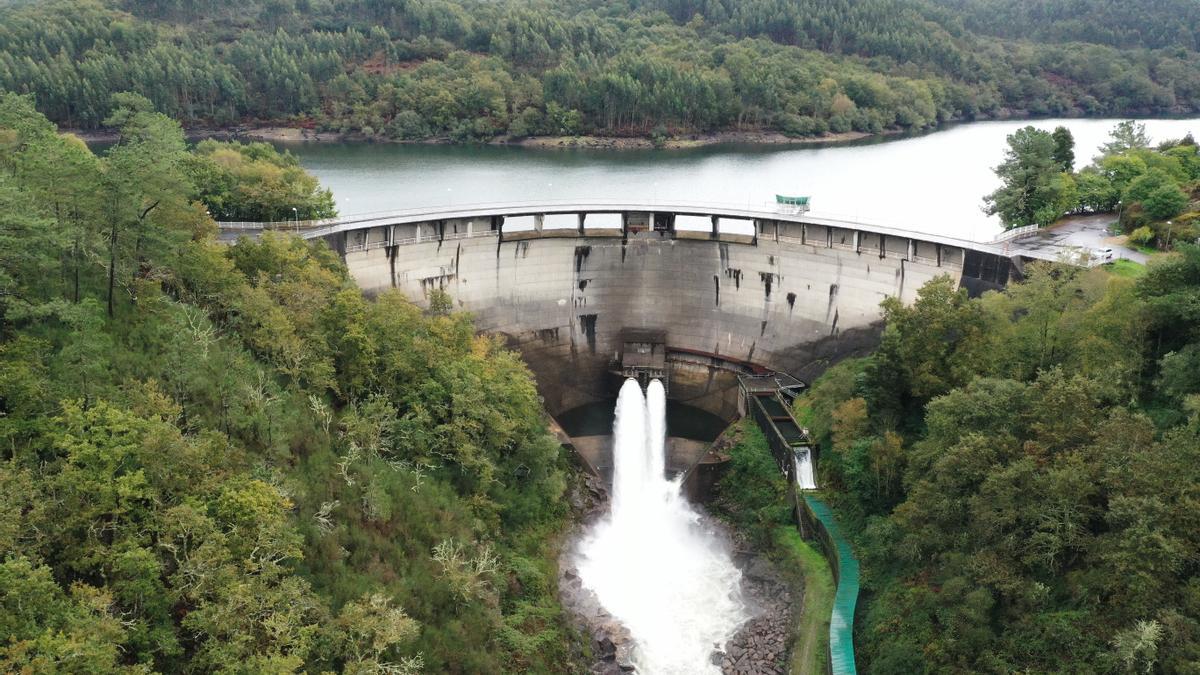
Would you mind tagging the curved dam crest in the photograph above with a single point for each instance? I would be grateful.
(569, 303)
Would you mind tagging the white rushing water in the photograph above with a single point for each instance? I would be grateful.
(652, 562)
(804, 470)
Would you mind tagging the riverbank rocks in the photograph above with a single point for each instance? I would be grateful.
(761, 645)
(611, 643)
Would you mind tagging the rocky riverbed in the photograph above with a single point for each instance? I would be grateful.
(611, 643)
(760, 646)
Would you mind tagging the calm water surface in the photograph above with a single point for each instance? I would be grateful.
(932, 183)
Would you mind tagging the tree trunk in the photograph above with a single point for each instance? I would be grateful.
(112, 265)
(75, 264)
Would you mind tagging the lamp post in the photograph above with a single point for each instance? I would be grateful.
(296, 215)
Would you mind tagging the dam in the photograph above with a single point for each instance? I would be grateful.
(701, 304)
(692, 294)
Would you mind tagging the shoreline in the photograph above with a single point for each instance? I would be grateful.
(762, 137)
(284, 134)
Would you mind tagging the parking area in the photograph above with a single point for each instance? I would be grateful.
(1076, 233)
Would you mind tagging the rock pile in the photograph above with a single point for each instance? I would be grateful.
(612, 645)
(761, 646)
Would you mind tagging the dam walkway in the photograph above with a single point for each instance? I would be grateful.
(592, 217)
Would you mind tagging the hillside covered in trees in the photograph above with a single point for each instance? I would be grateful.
(1023, 473)
(478, 70)
(1022, 468)
(223, 458)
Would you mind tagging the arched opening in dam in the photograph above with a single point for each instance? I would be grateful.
(653, 562)
(690, 432)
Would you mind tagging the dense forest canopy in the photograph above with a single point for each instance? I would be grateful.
(1155, 24)
(222, 458)
(468, 69)
(1021, 470)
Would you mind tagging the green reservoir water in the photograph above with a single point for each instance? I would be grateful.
(931, 183)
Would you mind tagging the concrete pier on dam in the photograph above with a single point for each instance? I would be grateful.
(590, 294)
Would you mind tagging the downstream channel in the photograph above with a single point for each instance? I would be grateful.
(653, 562)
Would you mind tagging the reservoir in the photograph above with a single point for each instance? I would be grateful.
(931, 183)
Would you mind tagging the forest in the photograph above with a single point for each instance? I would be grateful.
(223, 458)
(1021, 469)
(470, 70)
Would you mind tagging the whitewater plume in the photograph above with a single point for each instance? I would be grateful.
(652, 562)
(804, 470)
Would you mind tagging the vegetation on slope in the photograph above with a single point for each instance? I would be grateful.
(810, 646)
(753, 495)
(475, 70)
(1158, 25)
(1155, 190)
(1023, 471)
(224, 459)
(255, 182)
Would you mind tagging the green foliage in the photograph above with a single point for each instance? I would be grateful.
(1142, 235)
(1064, 149)
(1151, 188)
(811, 645)
(468, 70)
(753, 491)
(1158, 25)
(839, 383)
(1126, 136)
(1126, 268)
(1036, 189)
(256, 182)
(243, 465)
(1096, 192)
(1046, 460)
(928, 348)
(1165, 201)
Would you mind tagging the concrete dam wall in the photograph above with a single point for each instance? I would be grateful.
(792, 297)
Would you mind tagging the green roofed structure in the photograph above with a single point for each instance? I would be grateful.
(797, 203)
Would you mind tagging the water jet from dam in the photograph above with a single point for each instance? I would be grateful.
(653, 562)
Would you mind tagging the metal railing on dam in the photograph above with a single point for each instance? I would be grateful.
(311, 229)
(1008, 245)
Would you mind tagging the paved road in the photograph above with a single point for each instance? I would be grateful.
(1079, 232)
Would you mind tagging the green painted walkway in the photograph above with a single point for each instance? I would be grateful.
(841, 622)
